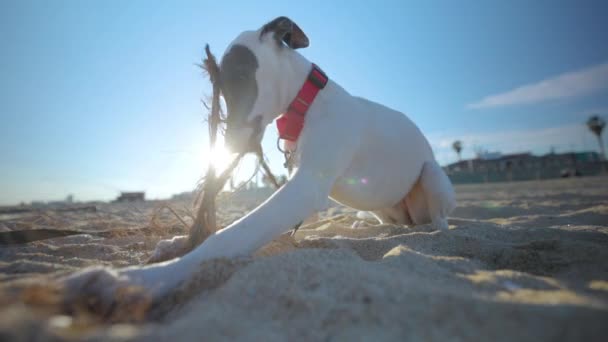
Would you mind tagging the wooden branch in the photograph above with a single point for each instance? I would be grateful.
(205, 222)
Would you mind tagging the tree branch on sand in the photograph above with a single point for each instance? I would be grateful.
(205, 222)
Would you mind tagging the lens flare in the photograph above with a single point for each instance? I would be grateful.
(220, 158)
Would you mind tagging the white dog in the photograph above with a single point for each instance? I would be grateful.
(355, 151)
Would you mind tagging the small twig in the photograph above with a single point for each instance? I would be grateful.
(205, 104)
(187, 226)
(240, 187)
(267, 170)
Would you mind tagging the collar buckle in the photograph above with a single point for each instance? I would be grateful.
(318, 77)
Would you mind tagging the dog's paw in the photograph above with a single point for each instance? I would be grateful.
(170, 249)
(366, 215)
(105, 294)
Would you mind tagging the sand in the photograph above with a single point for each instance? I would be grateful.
(522, 261)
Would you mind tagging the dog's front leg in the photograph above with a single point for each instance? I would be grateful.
(299, 198)
(304, 194)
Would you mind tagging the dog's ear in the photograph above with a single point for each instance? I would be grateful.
(286, 31)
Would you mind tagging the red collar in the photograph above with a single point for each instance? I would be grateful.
(290, 123)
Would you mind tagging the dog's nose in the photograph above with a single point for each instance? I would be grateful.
(244, 138)
(239, 140)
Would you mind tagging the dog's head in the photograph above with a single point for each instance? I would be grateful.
(250, 72)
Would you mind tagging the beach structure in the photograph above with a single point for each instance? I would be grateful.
(496, 167)
(138, 196)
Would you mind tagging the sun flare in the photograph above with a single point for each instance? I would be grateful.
(220, 158)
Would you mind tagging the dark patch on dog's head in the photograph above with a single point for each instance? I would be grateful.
(238, 84)
(286, 31)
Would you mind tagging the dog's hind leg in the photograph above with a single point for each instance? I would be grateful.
(438, 192)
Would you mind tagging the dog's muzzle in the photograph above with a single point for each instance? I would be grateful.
(245, 138)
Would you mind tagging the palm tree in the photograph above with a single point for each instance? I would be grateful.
(457, 146)
(596, 125)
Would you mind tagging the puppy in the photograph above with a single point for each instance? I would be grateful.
(347, 148)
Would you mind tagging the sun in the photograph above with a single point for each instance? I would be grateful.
(220, 158)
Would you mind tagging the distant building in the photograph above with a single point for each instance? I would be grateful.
(184, 196)
(131, 197)
(486, 155)
(525, 166)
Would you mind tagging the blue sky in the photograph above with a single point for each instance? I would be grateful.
(102, 96)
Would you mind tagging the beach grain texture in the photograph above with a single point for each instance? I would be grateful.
(522, 261)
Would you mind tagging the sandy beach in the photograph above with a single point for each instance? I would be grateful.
(522, 261)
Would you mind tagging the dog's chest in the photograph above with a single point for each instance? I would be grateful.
(386, 153)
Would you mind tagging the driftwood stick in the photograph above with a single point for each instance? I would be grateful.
(205, 221)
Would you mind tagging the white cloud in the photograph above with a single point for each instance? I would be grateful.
(572, 84)
(539, 141)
